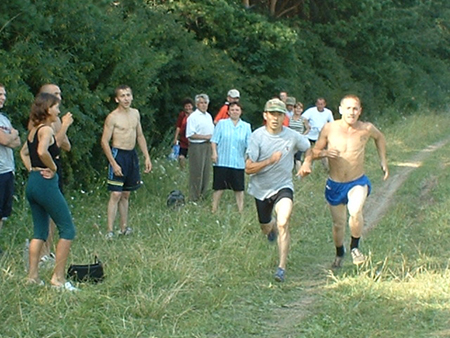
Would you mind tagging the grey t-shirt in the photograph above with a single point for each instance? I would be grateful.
(274, 177)
(6, 153)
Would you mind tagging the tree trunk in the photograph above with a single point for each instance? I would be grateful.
(273, 5)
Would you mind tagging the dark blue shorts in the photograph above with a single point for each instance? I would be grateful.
(265, 208)
(6, 194)
(337, 192)
(129, 162)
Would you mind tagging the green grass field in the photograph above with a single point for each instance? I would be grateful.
(190, 273)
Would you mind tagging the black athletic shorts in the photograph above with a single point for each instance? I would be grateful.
(265, 208)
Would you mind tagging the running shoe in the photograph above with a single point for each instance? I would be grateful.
(272, 235)
(338, 261)
(126, 232)
(110, 235)
(357, 256)
(279, 275)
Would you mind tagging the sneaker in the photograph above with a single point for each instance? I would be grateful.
(279, 275)
(110, 235)
(272, 235)
(357, 256)
(338, 261)
(126, 232)
(47, 259)
(67, 286)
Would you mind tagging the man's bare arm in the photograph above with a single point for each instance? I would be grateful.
(10, 140)
(318, 151)
(108, 129)
(60, 130)
(143, 145)
(201, 137)
(255, 167)
(380, 143)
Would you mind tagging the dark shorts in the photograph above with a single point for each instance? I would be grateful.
(265, 208)
(6, 194)
(129, 162)
(228, 178)
(183, 151)
(337, 192)
(298, 155)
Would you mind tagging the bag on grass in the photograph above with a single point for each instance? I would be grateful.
(175, 199)
(86, 273)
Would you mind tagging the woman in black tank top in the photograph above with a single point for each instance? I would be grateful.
(43, 194)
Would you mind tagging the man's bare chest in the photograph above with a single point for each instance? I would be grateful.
(350, 142)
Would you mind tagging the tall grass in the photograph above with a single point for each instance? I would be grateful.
(190, 273)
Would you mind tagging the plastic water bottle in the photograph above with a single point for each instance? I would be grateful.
(26, 255)
(175, 152)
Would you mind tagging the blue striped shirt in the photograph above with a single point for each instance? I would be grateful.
(232, 142)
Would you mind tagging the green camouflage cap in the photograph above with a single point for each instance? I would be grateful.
(275, 105)
(290, 101)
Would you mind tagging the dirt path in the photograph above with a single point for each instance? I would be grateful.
(290, 315)
(379, 202)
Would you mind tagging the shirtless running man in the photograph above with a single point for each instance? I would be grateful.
(123, 126)
(343, 143)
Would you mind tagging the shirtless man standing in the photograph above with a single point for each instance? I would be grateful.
(123, 126)
(343, 143)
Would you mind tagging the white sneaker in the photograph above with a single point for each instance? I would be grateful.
(357, 256)
(127, 231)
(67, 286)
(47, 259)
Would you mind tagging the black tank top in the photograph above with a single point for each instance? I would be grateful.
(32, 149)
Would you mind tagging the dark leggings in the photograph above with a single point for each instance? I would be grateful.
(46, 200)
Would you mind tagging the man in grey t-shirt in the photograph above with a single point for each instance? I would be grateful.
(270, 162)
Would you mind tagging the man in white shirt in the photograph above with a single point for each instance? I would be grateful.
(199, 130)
(317, 117)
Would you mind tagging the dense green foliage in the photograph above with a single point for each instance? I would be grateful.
(394, 54)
